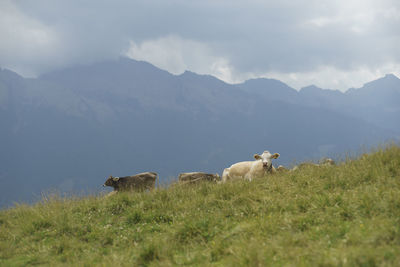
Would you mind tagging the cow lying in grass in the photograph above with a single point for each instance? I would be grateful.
(251, 169)
(194, 177)
(140, 182)
(281, 168)
(322, 162)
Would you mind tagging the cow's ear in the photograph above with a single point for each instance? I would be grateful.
(275, 156)
(115, 179)
(256, 156)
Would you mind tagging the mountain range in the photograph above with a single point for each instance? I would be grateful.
(67, 130)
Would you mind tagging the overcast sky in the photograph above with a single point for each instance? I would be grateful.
(332, 44)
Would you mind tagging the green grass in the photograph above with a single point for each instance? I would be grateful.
(347, 214)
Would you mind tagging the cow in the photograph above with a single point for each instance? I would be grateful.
(251, 169)
(140, 182)
(281, 168)
(322, 162)
(327, 162)
(193, 177)
(304, 165)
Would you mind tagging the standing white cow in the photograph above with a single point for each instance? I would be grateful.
(251, 169)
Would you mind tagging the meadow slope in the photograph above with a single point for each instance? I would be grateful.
(348, 214)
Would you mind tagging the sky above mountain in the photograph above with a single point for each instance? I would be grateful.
(332, 44)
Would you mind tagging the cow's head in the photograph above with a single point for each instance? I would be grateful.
(266, 158)
(111, 181)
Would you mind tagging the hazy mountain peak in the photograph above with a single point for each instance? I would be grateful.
(9, 73)
(11, 79)
(389, 82)
(387, 78)
(205, 79)
(310, 88)
(315, 90)
(266, 82)
(391, 77)
(125, 61)
(383, 92)
(265, 85)
(188, 73)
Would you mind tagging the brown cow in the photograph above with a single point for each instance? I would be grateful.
(322, 162)
(193, 177)
(141, 181)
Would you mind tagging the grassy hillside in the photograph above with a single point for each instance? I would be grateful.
(346, 214)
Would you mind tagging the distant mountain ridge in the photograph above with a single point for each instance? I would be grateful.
(69, 129)
(377, 102)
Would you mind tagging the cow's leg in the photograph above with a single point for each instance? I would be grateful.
(248, 177)
(225, 175)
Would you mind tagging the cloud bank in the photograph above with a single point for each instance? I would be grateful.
(332, 44)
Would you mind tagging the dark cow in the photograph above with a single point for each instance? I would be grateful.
(193, 177)
(141, 182)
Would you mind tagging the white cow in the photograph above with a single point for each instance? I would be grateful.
(251, 169)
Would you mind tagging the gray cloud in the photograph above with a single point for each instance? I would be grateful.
(234, 40)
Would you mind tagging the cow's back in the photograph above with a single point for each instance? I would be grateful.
(141, 181)
(240, 168)
(237, 170)
(192, 177)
